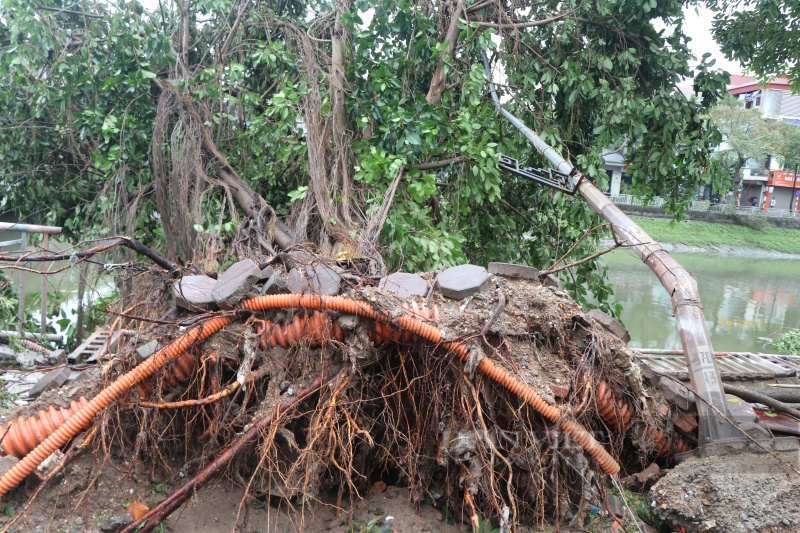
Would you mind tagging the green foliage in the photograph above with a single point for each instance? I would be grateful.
(78, 99)
(747, 134)
(788, 342)
(759, 35)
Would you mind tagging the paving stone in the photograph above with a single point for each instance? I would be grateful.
(404, 285)
(510, 270)
(610, 325)
(461, 281)
(194, 291)
(146, 350)
(234, 284)
(52, 380)
(318, 279)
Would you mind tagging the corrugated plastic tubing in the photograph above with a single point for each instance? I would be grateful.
(618, 414)
(74, 424)
(24, 434)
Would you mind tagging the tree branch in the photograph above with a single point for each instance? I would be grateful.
(439, 164)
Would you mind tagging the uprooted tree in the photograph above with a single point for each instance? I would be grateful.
(209, 129)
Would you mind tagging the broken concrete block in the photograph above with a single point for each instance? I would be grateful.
(191, 292)
(615, 504)
(30, 358)
(52, 380)
(234, 284)
(348, 322)
(610, 325)
(404, 285)
(676, 393)
(316, 280)
(57, 357)
(461, 281)
(510, 270)
(551, 280)
(146, 350)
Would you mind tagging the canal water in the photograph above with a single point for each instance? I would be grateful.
(746, 300)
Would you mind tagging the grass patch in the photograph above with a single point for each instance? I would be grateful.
(708, 235)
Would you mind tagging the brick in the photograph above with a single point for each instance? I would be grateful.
(461, 281)
(404, 285)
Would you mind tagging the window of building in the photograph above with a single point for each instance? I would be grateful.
(758, 101)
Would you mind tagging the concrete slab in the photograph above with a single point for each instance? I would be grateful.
(404, 285)
(510, 270)
(461, 281)
(52, 380)
(191, 292)
(610, 325)
(316, 280)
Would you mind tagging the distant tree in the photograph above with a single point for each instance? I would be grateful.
(761, 34)
(746, 135)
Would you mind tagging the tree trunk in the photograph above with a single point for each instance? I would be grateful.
(342, 175)
(737, 180)
(439, 78)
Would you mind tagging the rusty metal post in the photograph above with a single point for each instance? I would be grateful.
(680, 285)
(43, 295)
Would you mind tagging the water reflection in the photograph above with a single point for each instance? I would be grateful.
(744, 299)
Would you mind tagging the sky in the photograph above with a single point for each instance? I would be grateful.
(697, 25)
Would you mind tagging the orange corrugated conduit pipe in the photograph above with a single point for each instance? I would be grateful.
(79, 420)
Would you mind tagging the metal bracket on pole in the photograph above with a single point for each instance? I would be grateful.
(545, 176)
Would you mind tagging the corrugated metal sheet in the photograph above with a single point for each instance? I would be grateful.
(739, 364)
(790, 105)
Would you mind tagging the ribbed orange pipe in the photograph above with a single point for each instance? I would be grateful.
(25, 434)
(618, 413)
(79, 420)
(147, 368)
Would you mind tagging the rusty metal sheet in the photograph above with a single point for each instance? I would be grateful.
(778, 421)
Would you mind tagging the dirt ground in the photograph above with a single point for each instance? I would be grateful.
(93, 496)
(740, 492)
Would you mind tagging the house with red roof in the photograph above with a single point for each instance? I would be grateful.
(765, 179)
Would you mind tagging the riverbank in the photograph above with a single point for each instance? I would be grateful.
(723, 238)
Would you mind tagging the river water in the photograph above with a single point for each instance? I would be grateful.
(745, 299)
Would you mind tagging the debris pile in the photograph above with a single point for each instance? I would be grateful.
(490, 393)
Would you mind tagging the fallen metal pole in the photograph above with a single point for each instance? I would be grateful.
(33, 336)
(29, 228)
(680, 285)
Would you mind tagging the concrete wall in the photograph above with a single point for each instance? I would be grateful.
(707, 216)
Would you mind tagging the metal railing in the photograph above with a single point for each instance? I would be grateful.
(705, 205)
(24, 230)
